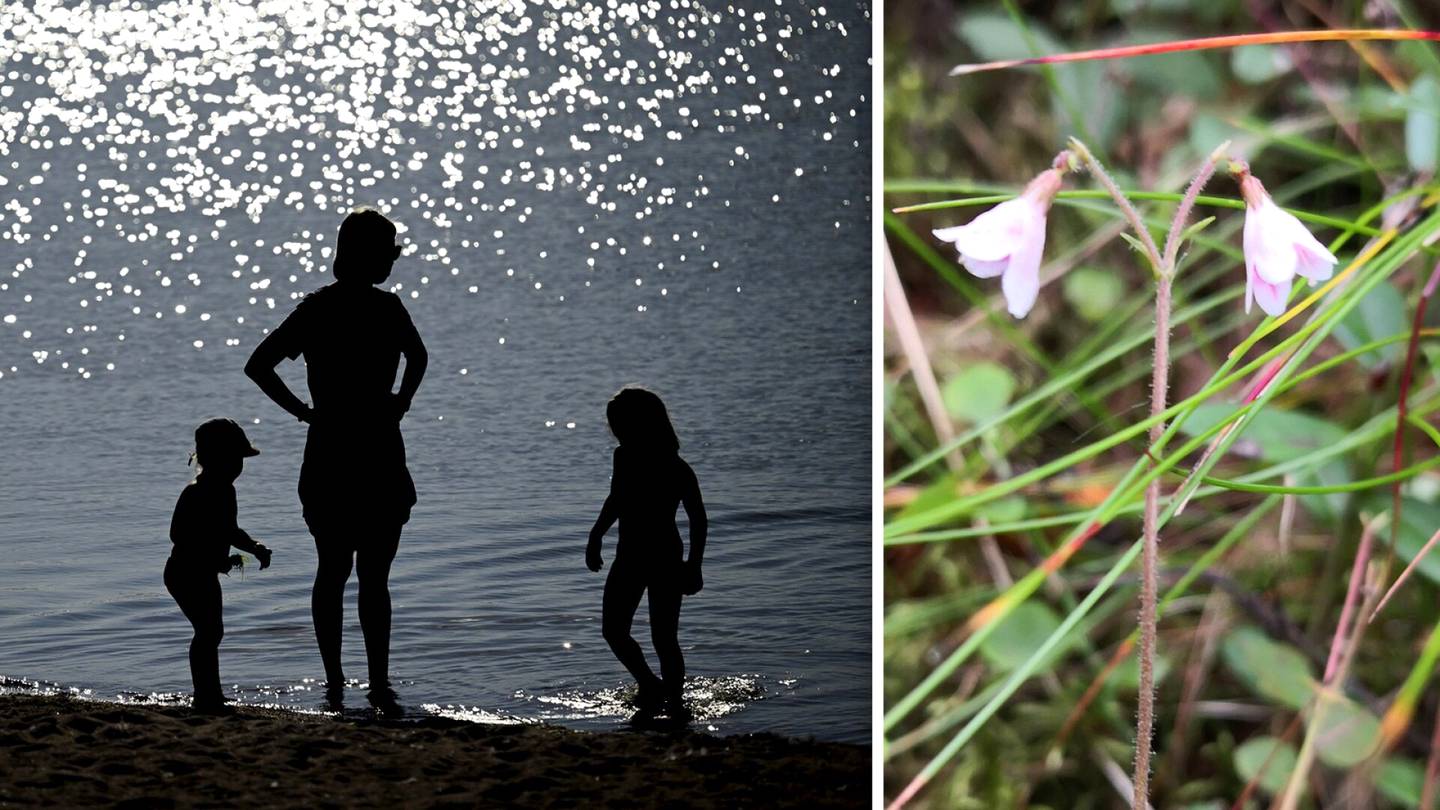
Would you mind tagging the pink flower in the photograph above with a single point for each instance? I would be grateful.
(1008, 240)
(1277, 247)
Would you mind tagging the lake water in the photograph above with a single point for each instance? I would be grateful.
(594, 194)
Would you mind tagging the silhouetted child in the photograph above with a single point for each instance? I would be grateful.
(648, 482)
(202, 530)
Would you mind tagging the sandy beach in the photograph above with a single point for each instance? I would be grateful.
(61, 751)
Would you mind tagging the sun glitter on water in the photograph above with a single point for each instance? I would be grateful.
(141, 148)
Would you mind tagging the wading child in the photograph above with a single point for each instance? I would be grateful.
(648, 482)
(202, 531)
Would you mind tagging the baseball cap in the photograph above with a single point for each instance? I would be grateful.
(223, 436)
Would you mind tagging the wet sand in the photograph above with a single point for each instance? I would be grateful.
(61, 751)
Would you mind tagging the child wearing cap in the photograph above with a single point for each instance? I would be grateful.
(202, 531)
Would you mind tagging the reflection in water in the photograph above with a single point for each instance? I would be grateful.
(708, 698)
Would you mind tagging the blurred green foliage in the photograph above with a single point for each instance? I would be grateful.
(1331, 131)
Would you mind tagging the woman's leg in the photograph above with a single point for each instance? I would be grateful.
(665, 631)
(198, 595)
(327, 603)
(622, 596)
(372, 565)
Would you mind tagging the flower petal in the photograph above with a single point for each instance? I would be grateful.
(1249, 286)
(1313, 260)
(1271, 297)
(983, 269)
(1314, 267)
(1021, 282)
(995, 234)
(1269, 243)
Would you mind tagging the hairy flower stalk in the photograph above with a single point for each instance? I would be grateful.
(1164, 266)
(1009, 239)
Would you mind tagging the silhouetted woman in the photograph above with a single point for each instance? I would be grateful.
(648, 482)
(354, 486)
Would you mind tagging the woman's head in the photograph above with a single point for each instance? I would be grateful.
(638, 419)
(365, 250)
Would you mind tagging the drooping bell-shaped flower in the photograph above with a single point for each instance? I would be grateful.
(1008, 241)
(1277, 248)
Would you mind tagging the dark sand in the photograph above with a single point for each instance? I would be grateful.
(59, 751)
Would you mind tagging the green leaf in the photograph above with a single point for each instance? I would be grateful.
(1004, 510)
(1019, 634)
(933, 496)
(1279, 435)
(980, 392)
(1330, 507)
(1194, 229)
(1206, 130)
(1093, 293)
(1255, 64)
(1149, 6)
(1252, 756)
(1139, 247)
(1273, 670)
(1418, 520)
(1095, 99)
(1422, 124)
(995, 36)
(1347, 734)
(1401, 781)
(1186, 73)
(1380, 314)
(1127, 674)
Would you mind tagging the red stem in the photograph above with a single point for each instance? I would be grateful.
(1205, 43)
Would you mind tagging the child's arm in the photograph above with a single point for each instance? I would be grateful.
(609, 513)
(238, 538)
(699, 526)
(244, 542)
(602, 525)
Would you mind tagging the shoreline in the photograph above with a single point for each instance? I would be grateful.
(66, 751)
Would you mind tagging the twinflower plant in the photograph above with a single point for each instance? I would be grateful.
(1277, 247)
(1009, 239)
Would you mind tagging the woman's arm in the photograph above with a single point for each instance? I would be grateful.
(261, 368)
(416, 360)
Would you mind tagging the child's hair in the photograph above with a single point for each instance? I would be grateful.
(638, 418)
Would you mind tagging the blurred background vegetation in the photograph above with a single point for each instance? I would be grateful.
(1332, 129)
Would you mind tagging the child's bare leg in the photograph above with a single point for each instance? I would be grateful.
(198, 595)
(327, 604)
(372, 565)
(664, 632)
(622, 597)
(205, 616)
